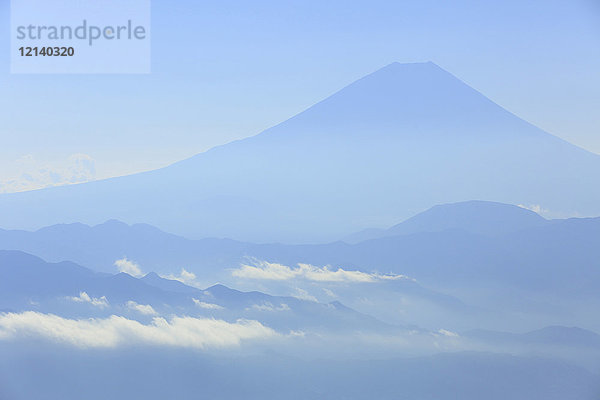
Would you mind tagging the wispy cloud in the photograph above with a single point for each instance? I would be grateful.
(447, 333)
(77, 168)
(268, 307)
(185, 277)
(129, 267)
(536, 208)
(304, 295)
(263, 270)
(207, 306)
(144, 309)
(119, 331)
(83, 297)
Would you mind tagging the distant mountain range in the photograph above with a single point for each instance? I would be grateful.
(402, 139)
(465, 257)
(481, 242)
(28, 283)
(67, 289)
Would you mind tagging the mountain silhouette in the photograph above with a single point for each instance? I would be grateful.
(404, 138)
(28, 282)
(480, 217)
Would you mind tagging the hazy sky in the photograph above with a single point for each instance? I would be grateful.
(224, 70)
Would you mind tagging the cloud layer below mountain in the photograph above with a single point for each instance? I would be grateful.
(116, 331)
(263, 270)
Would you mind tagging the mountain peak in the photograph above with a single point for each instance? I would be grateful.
(475, 216)
(398, 65)
(406, 72)
(113, 223)
(406, 101)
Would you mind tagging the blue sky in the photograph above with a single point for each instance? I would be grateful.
(229, 69)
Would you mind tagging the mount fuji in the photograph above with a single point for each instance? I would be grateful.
(400, 140)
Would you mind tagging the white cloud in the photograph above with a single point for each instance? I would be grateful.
(141, 308)
(536, 208)
(129, 267)
(329, 292)
(268, 307)
(32, 174)
(264, 270)
(119, 331)
(304, 295)
(207, 306)
(82, 168)
(185, 277)
(83, 297)
(448, 333)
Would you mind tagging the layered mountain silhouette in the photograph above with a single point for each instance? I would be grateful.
(475, 242)
(68, 289)
(481, 255)
(546, 363)
(480, 217)
(211, 260)
(402, 139)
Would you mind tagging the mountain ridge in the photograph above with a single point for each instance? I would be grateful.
(28, 282)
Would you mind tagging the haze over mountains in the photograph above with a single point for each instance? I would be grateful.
(475, 238)
(504, 304)
(70, 290)
(260, 268)
(68, 327)
(55, 374)
(404, 138)
(460, 261)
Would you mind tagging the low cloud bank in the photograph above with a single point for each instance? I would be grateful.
(262, 270)
(118, 331)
